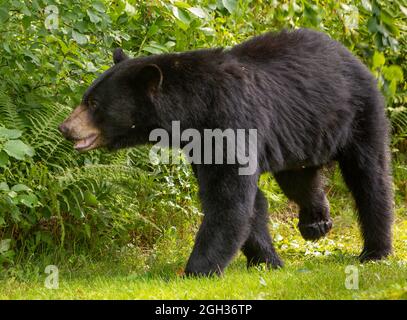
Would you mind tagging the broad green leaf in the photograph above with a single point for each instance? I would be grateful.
(181, 4)
(169, 44)
(3, 159)
(383, 30)
(208, 31)
(26, 11)
(12, 194)
(79, 37)
(63, 46)
(76, 62)
(82, 26)
(10, 133)
(3, 14)
(4, 245)
(93, 16)
(130, 10)
(153, 30)
(6, 47)
(404, 10)
(18, 149)
(29, 200)
(15, 214)
(198, 12)
(312, 14)
(394, 44)
(4, 186)
(296, 7)
(393, 73)
(181, 15)
(155, 48)
(152, 50)
(378, 60)
(230, 5)
(388, 20)
(35, 5)
(372, 25)
(367, 5)
(90, 199)
(392, 88)
(99, 6)
(90, 67)
(20, 187)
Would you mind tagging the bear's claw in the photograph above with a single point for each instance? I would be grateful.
(374, 255)
(316, 230)
(273, 261)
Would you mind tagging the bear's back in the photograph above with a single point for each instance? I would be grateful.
(285, 43)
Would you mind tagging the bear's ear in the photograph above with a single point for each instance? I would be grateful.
(119, 55)
(152, 77)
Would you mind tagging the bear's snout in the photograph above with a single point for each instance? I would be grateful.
(63, 128)
(80, 128)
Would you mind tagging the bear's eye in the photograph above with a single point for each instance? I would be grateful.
(92, 104)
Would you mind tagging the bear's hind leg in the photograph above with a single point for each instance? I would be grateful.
(367, 175)
(304, 187)
(258, 247)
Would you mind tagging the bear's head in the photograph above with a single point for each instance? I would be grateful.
(117, 110)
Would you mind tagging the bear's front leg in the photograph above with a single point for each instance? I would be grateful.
(227, 203)
(305, 187)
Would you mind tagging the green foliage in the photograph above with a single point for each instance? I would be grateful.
(50, 51)
(12, 198)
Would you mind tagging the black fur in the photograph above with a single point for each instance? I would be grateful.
(311, 101)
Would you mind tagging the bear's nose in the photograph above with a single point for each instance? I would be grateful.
(63, 128)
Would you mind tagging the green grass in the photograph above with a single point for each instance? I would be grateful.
(319, 279)
(312, 271)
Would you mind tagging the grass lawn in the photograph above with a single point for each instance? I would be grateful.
(319, 279)
(312, 271)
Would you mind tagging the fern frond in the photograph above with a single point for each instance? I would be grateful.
(46, 139)
(399, 121)
(9, 115)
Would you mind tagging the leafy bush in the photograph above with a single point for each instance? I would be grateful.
(50, 51)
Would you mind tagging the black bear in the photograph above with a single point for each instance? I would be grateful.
(310, 100)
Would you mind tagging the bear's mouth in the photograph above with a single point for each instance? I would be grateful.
(90, 142)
